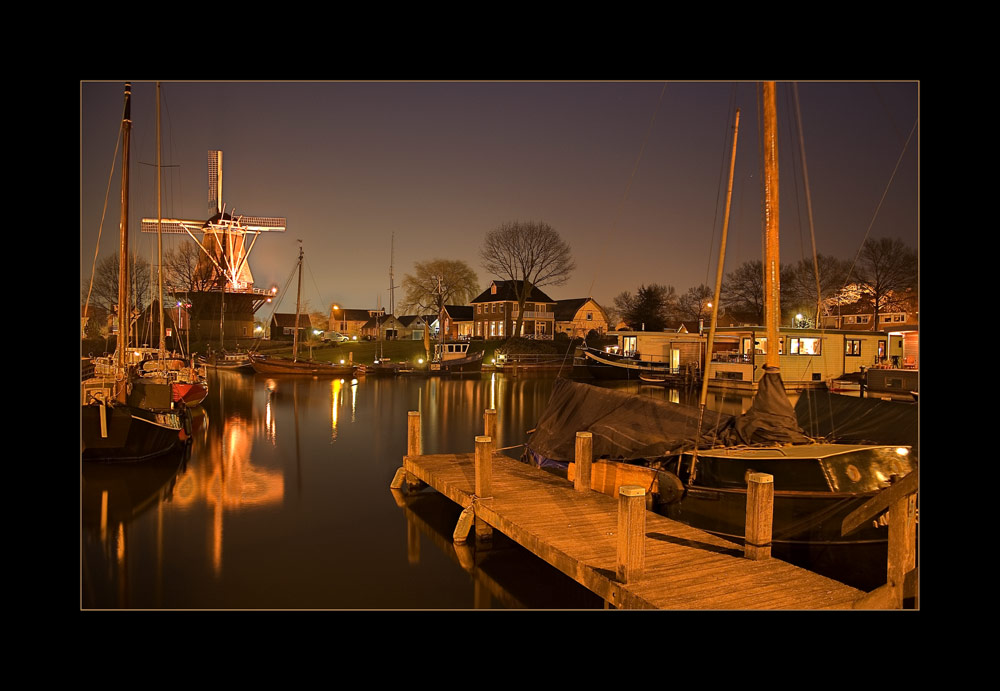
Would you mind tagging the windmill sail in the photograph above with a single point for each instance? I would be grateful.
(227, 238)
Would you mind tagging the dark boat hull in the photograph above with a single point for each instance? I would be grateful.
(301, 367)
(228, 363)
(132, 433)
(603, 365)
(468, 365)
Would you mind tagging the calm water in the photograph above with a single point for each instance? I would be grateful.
(283, 502)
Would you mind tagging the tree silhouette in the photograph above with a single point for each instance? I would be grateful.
(529, 254)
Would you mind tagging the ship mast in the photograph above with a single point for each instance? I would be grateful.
(159, 232)
(298, 297)
(772, 304)
(124, 312)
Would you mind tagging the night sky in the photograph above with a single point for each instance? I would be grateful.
(631, 174)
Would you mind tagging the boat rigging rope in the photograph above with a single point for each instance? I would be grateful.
(631, 179)
(100, 228)
(274, 309)
(882, 199)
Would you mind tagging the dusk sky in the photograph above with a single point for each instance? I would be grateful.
(631, 174)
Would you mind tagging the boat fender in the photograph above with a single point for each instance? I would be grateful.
(670, 486)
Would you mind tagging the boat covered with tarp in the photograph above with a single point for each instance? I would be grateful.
(698, 461)
(641, 429)
(854, 420)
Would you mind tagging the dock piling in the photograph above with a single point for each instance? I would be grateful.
(484, 484)
(413, 444)
(584, 459)
(902, 547)
(490, 426)
(631, 532)
(760, 516)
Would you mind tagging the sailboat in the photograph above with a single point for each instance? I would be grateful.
(263, 364)
(698, 459)
(124, 416)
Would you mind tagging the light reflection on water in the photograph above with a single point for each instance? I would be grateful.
(284, 502)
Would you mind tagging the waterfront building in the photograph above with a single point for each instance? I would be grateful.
(576, 317)
(496, 312)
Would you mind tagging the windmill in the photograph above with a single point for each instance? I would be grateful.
(226, 242)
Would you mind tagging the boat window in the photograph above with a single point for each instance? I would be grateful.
(804, 346)
(852, 346)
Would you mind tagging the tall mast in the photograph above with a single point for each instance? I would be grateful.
(298, 296)
(124, 313)
(772, 304)
(715, 302)
(719, 269)
(159, 224)
(392, 279)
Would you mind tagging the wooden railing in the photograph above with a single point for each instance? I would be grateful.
(902, 574)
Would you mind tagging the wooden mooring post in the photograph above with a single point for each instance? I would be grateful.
(484, 484)
(584, 461)
(490, 426)
(413, 448)
(631, 532)
(760, 516)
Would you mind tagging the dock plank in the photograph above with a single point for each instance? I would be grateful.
(576, 532)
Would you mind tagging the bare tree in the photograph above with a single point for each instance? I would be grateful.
(104, 292)
(886, 266)
(798, 284)
(184, 271)
(696, 303)
(437, 283)
(744, 290)
(529, 254)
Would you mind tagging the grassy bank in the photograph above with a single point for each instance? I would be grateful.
(363, 352)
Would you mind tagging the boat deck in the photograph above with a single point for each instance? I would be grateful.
(576, 531)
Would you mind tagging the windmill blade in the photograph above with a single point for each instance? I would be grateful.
(263, 223)
(170, 225)
(214, 182)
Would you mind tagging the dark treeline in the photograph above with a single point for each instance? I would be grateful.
(884, 272)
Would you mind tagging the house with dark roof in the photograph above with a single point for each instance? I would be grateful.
(384, 327)
(350, 322)
(576, 317)
(283, 327)
(412, 327)
(496, 311)
(458, 322)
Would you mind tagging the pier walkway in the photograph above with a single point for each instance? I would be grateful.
(577, 532)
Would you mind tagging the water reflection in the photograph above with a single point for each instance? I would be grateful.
(112, 498)
(283, 502)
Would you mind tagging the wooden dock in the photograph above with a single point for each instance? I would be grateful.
(581, 532)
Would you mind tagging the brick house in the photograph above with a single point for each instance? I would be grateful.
(495, 312)
(576, 317)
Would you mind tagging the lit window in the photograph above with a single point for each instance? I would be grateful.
(852, 346)
(805, 346)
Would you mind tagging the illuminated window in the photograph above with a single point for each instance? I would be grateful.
(805, 346)
(852, 346)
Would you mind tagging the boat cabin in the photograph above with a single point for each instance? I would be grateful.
(450, 351)
(809, 358)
